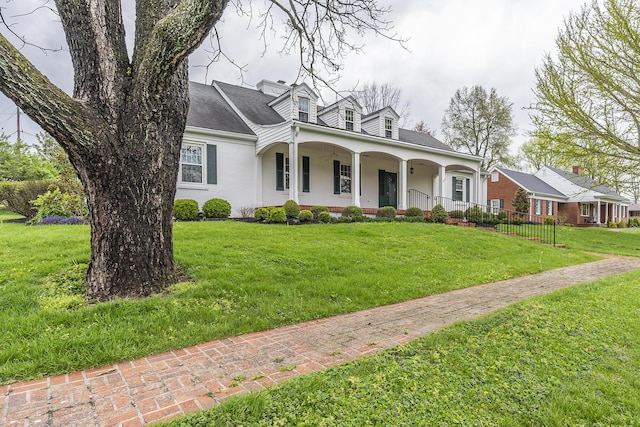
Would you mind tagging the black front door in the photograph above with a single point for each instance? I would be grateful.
(388, 185)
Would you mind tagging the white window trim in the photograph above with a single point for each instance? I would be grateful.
(537, 206)
(549, 207)
(203, 183)
(460, 183)
(345, 177)
(347, 121)
(495, 206)
(495, 176)
(301, 111)
(388, 121)
(582, 206)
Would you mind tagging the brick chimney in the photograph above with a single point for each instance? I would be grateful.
(578, 170)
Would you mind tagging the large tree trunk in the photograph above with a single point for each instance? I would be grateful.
(130, 187)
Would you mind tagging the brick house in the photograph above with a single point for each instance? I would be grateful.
(504, 183)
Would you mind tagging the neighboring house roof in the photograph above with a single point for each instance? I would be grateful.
(424, 139)
(252, 103)
(585, 182)
(209, 110)
(531, 183)
(634, 207)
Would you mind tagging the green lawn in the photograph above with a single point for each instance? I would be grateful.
(246, 277)
(571, 358)
(624, 241)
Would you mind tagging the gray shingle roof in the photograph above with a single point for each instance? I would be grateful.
(210, 111)
(423, 139)
(585, 182)
(252, 103)
(531, 182)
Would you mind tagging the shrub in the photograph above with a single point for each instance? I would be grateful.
(305, 215)
(414, 211)
(502, 216)
(410, 218)
(56, 203)
(622, 224)
(17, 196)
(456, 214)
(185, 209)
(62, 220)
(216, 208)
(317, 209)
(291, 208)
(612, 224)
(386, 212)
(353, 212)
(549, 220)
(562, 218)
(261, 214)
(634, 222)
(439, 214)
(474, 214)
(516, 221)
(246, 211)
(324, 217)
(278, 215)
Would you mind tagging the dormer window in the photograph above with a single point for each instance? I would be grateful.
(348, 119)
(388, 127)
(303, 109)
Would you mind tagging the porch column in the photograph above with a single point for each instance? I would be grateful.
(355, 178)
(402, 191)
(259, 180)
(476, 186)
(441, 178)
(598, 213)
(293, 170)
(606, 213)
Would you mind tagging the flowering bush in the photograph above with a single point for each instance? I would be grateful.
(61, 220)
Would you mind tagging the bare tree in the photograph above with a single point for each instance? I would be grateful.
(122, 127)
(481, 124)
(422, 127)
(375, 96)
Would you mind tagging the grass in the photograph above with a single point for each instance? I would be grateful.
(246, 277)
(569, 358)
(623, 241)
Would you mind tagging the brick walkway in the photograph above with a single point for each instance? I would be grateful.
(164, 386)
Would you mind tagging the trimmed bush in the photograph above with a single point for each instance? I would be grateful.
(386, 212)
(622, 224)
(413, 212)
(261, 214)
(317, 209)
(324, 217)
(456, 214)
(58, 204)
(216, 208)
(185, 209)
(439, 214)
(475, 214)
(353, 212)
(62, 220)
(516, 221)
(305, 215)
(503, 217)
(278, 215)
(549, 220)
(291, 208)
(634, 222)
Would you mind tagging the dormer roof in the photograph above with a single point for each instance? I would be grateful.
(339, 102)
(301, 87)
(381, 112)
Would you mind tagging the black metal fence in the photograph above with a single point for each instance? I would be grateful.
(538, 228)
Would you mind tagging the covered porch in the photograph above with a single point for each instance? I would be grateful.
(319, 173)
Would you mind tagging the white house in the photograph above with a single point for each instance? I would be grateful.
(263, 146)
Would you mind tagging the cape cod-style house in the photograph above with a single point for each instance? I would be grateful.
(554, 192)
(263, 146)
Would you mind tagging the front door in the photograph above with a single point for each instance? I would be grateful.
(388, 185)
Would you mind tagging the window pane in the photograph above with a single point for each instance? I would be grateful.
(348, 119)
(191, 154)
(345, 178)
(303, 109)
(191, 173)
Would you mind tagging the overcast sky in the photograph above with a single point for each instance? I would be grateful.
(452, 43)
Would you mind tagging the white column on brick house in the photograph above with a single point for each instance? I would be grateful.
(402, 191)
(598, 212)
(606, 213)
(355, 178)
